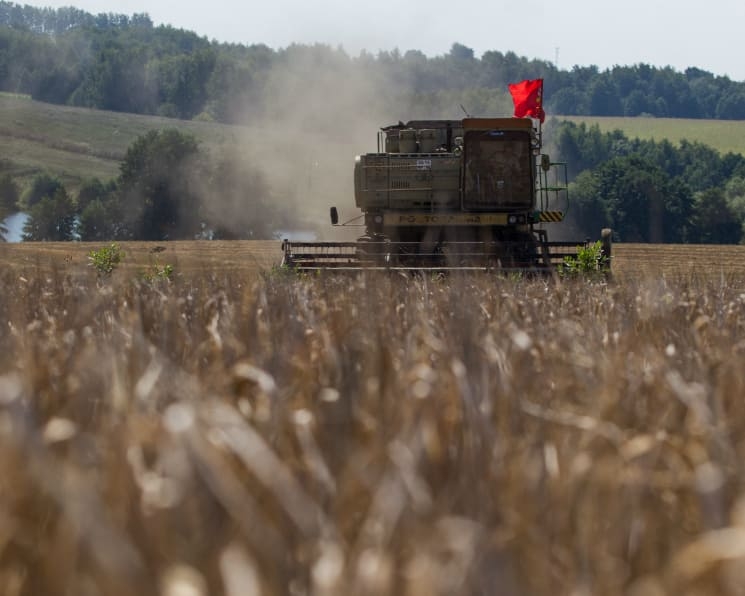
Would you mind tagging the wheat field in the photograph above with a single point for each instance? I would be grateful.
(244, 431)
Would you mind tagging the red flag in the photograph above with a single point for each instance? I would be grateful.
(528, 99)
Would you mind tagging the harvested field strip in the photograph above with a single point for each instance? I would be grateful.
(61, 145)
(250, 255)
(665, 259)
(186, 256)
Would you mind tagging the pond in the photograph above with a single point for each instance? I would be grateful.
(14, 223)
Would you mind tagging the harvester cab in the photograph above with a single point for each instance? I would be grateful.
(475, 193)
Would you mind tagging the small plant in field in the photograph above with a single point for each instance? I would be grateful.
(158, 271)
(106, 259)
(590, 260)
(279, 271)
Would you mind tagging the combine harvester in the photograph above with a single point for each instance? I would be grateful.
(441, 195)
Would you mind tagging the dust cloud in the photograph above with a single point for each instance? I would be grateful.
(310, 115)
(318, 109)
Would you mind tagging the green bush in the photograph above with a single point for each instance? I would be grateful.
(158, 271)
(590, 260)
(106, 259)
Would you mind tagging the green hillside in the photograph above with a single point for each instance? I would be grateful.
(77, 143)
(722, 135)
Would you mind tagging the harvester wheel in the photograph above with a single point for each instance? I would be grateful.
(371, 251)
(523, 252)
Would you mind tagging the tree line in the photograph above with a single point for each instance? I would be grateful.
(125, 63)
(651, 191)
(168, 188)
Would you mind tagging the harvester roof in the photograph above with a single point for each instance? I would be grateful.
(466, 123)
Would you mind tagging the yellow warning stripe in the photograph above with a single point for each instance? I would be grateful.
(550, 216)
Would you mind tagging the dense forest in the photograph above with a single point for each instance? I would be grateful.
(652, 191)
(125, 63)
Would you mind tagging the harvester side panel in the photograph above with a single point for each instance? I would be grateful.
(407, 181)
(446, 175)
(411, 181)
(372, 181)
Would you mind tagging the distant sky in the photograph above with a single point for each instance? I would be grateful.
(705, 34)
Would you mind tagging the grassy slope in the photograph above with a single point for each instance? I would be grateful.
(724, 135)
(75, 143)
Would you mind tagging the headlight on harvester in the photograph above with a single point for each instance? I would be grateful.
(516, 219)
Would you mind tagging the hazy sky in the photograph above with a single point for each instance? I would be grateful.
(680, 34)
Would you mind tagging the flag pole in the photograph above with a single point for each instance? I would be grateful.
(540, 135)
(541, 116)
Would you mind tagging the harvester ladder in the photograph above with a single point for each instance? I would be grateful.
(553, 187)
